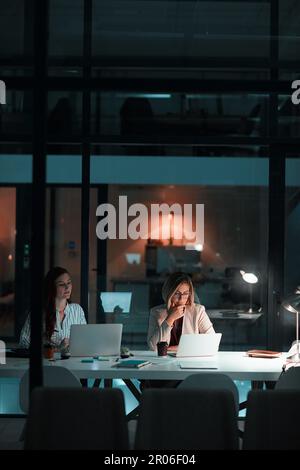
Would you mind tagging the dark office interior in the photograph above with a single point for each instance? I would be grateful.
(164, 102)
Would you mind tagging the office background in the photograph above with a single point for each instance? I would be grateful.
(161, 101)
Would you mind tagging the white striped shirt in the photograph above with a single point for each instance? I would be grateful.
(74, 315)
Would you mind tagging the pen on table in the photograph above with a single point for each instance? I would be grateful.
(98, 358)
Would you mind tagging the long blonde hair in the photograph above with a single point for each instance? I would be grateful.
(170, 286)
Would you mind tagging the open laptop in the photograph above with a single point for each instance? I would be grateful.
(116, 302)
(96, 340)
(198, 345)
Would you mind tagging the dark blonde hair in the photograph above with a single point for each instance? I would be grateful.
(170, 286)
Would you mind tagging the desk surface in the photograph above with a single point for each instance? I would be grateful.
(235, 364)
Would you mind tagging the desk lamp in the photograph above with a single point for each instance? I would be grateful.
(251, 279)
(292, 304)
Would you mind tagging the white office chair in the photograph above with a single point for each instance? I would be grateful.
(68, 418)
(272, 420)
(54, 376)
(289, 380)
(185, 419)
(212, 381)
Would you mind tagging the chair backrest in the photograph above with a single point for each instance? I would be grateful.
(185, 419)
(272, 420)
(289, 379)
(54, 376)
(73, 418)
(212, 381)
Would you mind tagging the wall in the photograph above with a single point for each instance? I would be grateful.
(233, 234)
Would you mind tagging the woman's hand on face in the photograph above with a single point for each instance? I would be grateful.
(175, 312)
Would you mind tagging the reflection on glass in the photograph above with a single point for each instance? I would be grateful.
(189, 30)
(289, 43)
(17, 114)
(63, 233)
(7, 261)
(16, 24)
(65, 28)
(64, 114)
(292, 252)
(151, 115)
(288, 117)
(116, 302)
(235, 239)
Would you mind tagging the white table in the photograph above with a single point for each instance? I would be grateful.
(236, 365)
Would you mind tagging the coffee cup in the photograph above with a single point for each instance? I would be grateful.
(49, 352)
(162, 348)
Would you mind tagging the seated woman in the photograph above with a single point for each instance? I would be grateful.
(59, 312)
(180, 314)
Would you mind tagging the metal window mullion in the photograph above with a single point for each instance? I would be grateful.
(85, 188)
(38, 192)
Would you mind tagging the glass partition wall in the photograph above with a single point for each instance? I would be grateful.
(292, 252)
(161, 102)
(234, 192)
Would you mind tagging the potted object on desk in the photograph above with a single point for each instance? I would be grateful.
(65, 349)
(48, 350)
(125, 352)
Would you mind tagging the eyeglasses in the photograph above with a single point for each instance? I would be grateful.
(181, 294)
(64, 284)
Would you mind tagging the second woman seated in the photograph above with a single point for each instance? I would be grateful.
(59, 312)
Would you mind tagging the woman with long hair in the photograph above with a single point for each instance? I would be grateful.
(58, 310)
(179, 315)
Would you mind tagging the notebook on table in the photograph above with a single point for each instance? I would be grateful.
(263, 353)
(96, 340)
(198, 345)
(133, 363)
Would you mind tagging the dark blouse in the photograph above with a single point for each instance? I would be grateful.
(176, 332)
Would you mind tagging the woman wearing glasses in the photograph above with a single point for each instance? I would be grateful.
(59, 312)
(180, 314)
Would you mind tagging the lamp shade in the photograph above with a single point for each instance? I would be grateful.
(292, 302)
(249, 277)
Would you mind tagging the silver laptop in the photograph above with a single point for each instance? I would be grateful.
(96, 340)
(198, 345)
